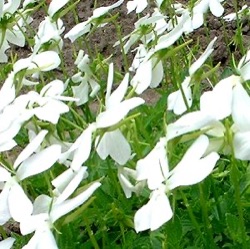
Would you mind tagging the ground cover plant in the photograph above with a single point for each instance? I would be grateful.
(87, 161)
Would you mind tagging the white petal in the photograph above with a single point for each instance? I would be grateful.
(71, 187)
(245, 71)
(117, 113)
(43, 238)
(51, 110)
(114, 144)
(45, 61)
(20, 205)
(194, 174)
(82, 153)
(142, 4)
(131, 5)
(143, 77)
(7, 92)
(154, 214)
(39, 162)
(189, 122)
(198, 63)
(157, 73)
(4, 207)
(54, 88)
(241, 145)
(32, 223)
(69, 205)
(109, 82)
(30, 148)
(55, 5)
(216, 8)
(192, 168)
(81, 92)
(80, 29)
(176, 101)
(7, 243)
(4, 174)
(117, 96)
(103, 10)
(241, 108)
(154, 167)
(218, 102)
(169, 39)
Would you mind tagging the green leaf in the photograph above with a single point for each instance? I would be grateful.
(233, 226)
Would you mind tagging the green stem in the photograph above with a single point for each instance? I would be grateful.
(3, 233)
(235, 181)
(207, 226)
(191, 215)
(91, 236)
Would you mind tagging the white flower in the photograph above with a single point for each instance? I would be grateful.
(49, 30)
(49, 101)
(44, 61)
(10, 32)
(127, 179)
(80, 150)
(14, 202)
(149, 72)
(81, 91)
(202, 7)
(47, 211)
(192, 169)
(12, 114)
(116, 107)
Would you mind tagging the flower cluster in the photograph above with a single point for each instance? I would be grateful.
(63, 141)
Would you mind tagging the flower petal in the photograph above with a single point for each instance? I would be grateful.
(39, 162)
(154, 214)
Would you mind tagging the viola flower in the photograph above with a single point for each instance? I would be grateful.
(157, 24)
(46, 211)
(81, 92)
(149, 72)
(49, 31)
(192, 169)
(113, 143)
(48, 104)
(14, 202)
(13, 113)
(44, 61)
(127, 179)
(10, 31)
(201, 7)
